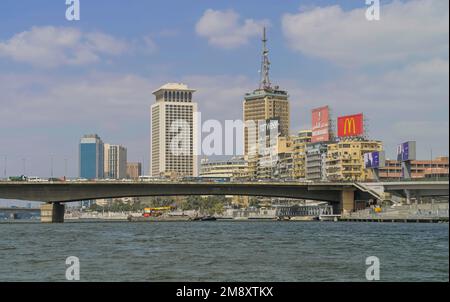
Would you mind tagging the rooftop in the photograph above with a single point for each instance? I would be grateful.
(261, 93)
(174, 86)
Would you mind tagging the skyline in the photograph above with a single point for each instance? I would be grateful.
(105, 74)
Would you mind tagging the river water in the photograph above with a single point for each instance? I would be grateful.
(224, 251)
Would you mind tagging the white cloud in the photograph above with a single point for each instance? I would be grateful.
(220, 96)
(224, 29)
(409, 30)
(149, 45)
(50, 46)
(99, 100)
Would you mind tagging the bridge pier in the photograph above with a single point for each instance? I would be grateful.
(52, 212)
(347, 203)
(408, 196)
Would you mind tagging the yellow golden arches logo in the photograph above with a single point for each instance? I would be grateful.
(349, 125)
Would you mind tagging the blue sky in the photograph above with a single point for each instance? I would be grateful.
(61, 79)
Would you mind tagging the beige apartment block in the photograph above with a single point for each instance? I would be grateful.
(300, 143)
(115, 158)
(345, 159)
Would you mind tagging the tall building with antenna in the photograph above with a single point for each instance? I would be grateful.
(268, 102)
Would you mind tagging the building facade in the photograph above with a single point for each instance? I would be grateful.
(262, 105)
(235, 167)
(300, 143)
(115, 161)
(174, 132)
(276, 161)
(91, 157)
(420, 169)
(134, 170)
(316, 156)
(345, 159)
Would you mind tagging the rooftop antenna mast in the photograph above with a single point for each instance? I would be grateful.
(265, 65)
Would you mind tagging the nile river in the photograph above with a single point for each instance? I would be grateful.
(224, 251)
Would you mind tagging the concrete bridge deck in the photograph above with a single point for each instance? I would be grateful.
(341, 196)
(76, 191)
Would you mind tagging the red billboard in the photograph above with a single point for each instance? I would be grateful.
(320, 125)
(350, 125)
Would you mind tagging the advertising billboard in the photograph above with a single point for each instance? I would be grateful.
(320, 124)
(350, 125)
(374, 160)
(406, 151)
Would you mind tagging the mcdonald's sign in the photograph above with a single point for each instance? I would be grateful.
(350, 125)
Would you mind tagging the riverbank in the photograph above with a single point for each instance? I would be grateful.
(417, 213)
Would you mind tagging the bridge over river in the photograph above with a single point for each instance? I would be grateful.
(341, 195)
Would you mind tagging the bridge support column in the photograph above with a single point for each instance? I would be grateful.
(408, 196)
(52, 212)
(347, 200)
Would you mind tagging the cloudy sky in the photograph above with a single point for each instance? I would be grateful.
(61, 79)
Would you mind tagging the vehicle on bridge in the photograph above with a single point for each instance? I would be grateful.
(146, 178)
(18, 178)
(205, 179)
(55, 179)
(78, 180)
(36, 179)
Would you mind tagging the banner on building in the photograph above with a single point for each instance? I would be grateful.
(406, 151)
(320, 124)
(374, 160)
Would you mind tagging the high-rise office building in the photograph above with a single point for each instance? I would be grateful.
(91, 157)
(265, 103)
(115, 161)
(173, 132)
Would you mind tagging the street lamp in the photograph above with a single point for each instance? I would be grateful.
(51, 166)
(65, 168)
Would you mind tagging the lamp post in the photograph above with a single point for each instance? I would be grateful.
(24, 163)
(65, 168)
(5, 163)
